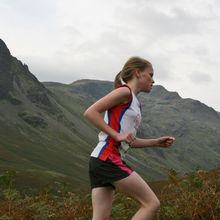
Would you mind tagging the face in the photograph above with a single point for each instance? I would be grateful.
(146, 80)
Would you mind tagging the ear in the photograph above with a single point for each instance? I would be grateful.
(137, 73)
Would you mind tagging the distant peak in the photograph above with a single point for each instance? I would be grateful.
(84, 81)
(4, 51)
(81, 81)
(160, 91)
(1, 41)
(160, 87)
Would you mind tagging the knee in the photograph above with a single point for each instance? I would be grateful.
(153, 204)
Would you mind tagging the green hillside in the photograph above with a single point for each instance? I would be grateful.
(194, 125)
(43, 129)
(36, 132)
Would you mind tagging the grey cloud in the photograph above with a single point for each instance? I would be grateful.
(170, 20)
(51, 69)
(72, 33)
(161, 24)
(71, 39)
(199, 77)
(104, 56)
(162, 68)
(32, 11)
(109, 45)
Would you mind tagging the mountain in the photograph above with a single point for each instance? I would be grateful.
(195, 126)
(43, 131)
(36, 132)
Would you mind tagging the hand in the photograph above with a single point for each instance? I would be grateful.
(129, 138)
(165, 141)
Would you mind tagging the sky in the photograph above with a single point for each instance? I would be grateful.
(67, 40)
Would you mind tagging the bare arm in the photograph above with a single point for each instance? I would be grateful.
(114, 98)
(165, 141)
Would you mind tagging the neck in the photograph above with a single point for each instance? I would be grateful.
(133, 85)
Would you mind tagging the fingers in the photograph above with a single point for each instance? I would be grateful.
(169, 141)
(169, 138)
(130, 139)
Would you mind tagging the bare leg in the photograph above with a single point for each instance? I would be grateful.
(102, 198)
(137, 188)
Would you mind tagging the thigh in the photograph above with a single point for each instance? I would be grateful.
(137, 188)
(102, 198)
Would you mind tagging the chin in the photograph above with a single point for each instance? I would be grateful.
(148, 90)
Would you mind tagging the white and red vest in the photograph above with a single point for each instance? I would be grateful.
(122, 118)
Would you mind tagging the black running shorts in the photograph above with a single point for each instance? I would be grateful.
(104, 173)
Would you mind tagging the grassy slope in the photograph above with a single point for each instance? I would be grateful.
(54, 139)
(48, 150)
(66, 151)
(53, 148)
(197, 136)
(163, 114)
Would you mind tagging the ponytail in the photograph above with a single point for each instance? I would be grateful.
(118, 81)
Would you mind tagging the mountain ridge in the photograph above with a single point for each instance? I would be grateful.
(43, 128)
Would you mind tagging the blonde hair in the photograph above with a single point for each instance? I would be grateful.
(126, 73)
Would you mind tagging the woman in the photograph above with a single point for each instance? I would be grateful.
(108, 171)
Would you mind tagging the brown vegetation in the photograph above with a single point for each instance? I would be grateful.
(194, 197)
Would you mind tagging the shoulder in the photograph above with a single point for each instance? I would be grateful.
(122, 93)
(116, 97)
(124, 90)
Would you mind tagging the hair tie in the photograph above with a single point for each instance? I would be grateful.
(122, 81)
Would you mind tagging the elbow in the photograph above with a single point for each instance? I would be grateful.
(87, 113)
(90, 113)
